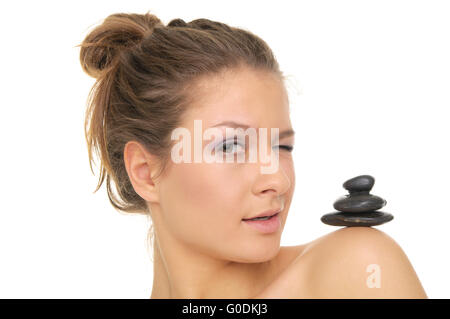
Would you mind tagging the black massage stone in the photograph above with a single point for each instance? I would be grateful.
(358, 208)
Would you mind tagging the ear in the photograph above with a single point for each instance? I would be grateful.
(141, 166)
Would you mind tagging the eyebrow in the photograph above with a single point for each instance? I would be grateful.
(283, 134)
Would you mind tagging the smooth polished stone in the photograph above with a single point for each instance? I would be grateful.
(361, 183)
(366, 219)
(362, 202)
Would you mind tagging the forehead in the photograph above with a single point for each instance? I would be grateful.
(251, 96)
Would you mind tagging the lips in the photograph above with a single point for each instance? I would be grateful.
(268, 225)
(265, 214)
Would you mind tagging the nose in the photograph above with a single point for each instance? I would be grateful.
(275, 184)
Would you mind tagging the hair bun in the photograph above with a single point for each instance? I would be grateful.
(177, 23)
(118, 32)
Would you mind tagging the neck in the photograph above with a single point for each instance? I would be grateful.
(181, 271)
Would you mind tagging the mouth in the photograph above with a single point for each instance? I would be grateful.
(265, 224)
(261, 218)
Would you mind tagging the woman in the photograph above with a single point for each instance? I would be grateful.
(154, 80)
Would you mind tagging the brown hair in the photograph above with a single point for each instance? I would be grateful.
(146, 73)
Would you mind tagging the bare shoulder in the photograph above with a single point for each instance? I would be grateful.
(360, 262)
(351, 262)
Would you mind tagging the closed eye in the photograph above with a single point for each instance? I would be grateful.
(288, 148)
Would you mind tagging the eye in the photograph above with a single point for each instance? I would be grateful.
(228, 145)
(288, 148)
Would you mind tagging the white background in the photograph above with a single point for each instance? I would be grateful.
(369, 95)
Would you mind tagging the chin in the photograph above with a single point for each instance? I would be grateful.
(258, 252)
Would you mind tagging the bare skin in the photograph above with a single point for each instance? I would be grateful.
(336, 266)
(202, 246)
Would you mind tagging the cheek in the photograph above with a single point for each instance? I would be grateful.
(290, 171)
(204, 188)
(288, 167)
(201, 198)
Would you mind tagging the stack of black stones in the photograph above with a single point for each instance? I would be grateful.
(358, 208)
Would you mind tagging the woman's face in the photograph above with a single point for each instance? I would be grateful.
(203, 204)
